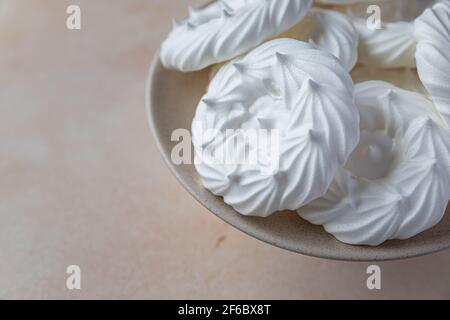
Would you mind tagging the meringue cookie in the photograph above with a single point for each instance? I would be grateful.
(225, 29)
(396, 183)
(330, 31)
(391, 47)
(394, 45)
(326, 30)
(432, 31)
(303, 94)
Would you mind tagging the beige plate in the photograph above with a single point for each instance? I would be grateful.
(171, 101)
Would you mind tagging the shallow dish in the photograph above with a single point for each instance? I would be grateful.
(171, 100)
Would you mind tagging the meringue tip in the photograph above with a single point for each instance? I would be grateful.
(278, 174)
(427, 122)
(233, 177)
(226, 13)
(225, 6)
(240, 67)
(311, 84)
(388, 95)
(313, 135)
(282, 58)
(208, 102)
(264, 123)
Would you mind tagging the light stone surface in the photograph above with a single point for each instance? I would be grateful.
(82, 181)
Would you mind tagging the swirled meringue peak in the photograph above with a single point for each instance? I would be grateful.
(285, 116)
(225, 29)
(432, 31)
(396, 183)
(330, 31)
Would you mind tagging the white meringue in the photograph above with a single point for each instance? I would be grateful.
(307, 97)
(396, 183)
(394, 45)
(432, 31)
(391, 47)
(225, 29)
(326, 30)
(330, 31)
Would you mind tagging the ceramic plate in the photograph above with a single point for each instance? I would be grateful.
(171, 99)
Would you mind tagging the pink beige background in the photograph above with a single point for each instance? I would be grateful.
(81, 180)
